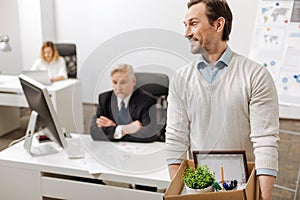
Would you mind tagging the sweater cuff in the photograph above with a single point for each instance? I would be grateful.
(174, 161)
(269, 172)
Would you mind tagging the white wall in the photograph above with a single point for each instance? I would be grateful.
(108, 32)
(111, 21)
(91, 22)
(10, 62)
(244, 16)
(37, 24)
(95, 26)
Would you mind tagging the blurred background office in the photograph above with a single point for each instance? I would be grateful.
(104, 33)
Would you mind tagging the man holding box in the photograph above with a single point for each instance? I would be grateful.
(223, 99)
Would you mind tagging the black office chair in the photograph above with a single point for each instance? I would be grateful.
(156, 84)
(68, 52)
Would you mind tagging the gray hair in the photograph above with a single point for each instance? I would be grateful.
(123, 68)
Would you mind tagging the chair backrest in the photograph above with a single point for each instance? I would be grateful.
(156, 84)
(68, 52)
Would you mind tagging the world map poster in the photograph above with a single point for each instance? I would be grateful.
(276, 45)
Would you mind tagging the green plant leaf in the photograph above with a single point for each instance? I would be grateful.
(199, 178)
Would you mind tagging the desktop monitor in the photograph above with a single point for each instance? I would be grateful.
(42, 114)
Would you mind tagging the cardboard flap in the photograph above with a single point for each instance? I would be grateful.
(250, 166)
(228, 195)
(250, 187)
(253, 184)
(173, 187)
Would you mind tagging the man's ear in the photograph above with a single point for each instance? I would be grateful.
(134, 81)
(219, 24)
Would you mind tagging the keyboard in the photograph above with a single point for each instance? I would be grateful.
(74, 148)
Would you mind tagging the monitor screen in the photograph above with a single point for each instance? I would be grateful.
(39, 101)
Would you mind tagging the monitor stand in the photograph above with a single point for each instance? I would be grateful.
(32, 145)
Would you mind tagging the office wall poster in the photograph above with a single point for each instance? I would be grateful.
(276, 45)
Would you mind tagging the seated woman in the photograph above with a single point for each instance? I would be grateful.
(52, 62)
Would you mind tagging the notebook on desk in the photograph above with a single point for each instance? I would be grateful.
(38, 75)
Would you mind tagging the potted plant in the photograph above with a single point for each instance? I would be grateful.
(198, 180)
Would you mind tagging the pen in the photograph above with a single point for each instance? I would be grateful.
(230, 186)
(222, 175)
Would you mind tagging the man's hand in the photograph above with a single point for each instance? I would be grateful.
(104, 122)
(266, 187)
(133, 127)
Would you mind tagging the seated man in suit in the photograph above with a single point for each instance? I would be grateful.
(125, 113)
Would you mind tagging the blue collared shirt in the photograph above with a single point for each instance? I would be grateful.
(210, 74)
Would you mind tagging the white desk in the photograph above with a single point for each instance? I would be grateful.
(65, 95)
(55, 176)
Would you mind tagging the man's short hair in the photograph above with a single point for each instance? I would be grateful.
(123, 68)
(214, 10)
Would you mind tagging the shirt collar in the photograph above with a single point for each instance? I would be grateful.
(223, 60)
(226, 56)
(126, 101)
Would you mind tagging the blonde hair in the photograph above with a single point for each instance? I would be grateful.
(54, 50)
(123, 68)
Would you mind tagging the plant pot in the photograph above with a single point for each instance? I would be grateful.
(195, 191)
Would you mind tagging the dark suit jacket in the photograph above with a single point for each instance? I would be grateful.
(141, 107)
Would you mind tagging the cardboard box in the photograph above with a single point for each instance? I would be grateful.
(250, 192)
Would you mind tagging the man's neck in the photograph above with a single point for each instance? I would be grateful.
(213, 55)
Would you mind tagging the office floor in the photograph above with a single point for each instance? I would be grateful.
(288, 180)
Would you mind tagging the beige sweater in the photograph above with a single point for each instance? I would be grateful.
(239, 110)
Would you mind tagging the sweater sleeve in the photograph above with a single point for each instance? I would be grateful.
(178, 128)
(150, 128)
(264, 120)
